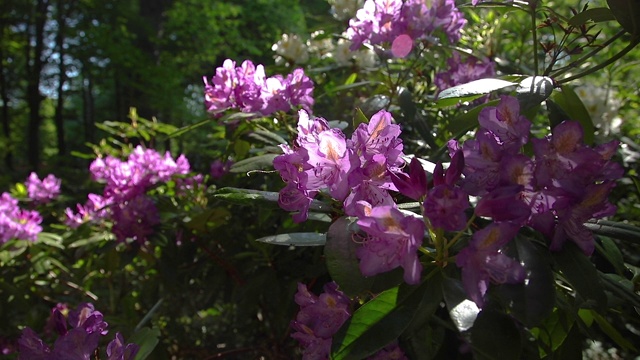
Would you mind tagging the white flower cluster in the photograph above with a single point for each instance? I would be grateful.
(602, 105)
(345, 9)
(290, 49)
(595, 351)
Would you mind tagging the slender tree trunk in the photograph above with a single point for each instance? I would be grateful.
(34, 70)
(88, 118)
(62, 78)
(6, 119)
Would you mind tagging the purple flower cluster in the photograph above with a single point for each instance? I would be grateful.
(17, 223)
(42, 191)
(78, 338)
(356, 171)
(124, 198)
(462, 72)
(248, 89)
(319, 319)
(555, 192)
(385, 21)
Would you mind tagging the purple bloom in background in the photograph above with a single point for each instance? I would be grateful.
(389, 352)
(319, 319)
(126, 183)
(382, 22)
(78, 343)
(392, 240)
(482, 262)
(219, 168)
(135, 219)
(248, 89)
(462, 72)
(42, 191)
(17, 223)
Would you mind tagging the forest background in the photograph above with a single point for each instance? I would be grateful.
(82, 78)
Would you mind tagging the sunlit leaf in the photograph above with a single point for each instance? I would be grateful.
(570, 102)
(476, 87)
(259, 162)
(377, 323)
(296, 239)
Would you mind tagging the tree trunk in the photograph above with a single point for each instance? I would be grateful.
(34, 70)
(6, 120)
(62, 78)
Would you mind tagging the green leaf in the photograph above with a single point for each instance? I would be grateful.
(351, 79)
(610, 251)
(241, 148)
(582, 275)
(267, 137)
(613, 334)
(251, 197)
(476, 87)
(616, 230)
(495, 336)
(209, 219)
(296, 239)
(259, 162)
(532, 301)
(553, 332)
(469, 120)
(50, 239)
(374, 104)
(341, 260)
(377, 323)
(621, 288)
(147, 339)
(570, 102)
(627, 12)
(599, 14)
(359, 118)
(186, 129)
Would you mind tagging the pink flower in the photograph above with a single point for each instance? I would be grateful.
(42, 191)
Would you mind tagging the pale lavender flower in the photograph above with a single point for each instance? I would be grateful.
(42, 191)
(392, 240)
(17, 223)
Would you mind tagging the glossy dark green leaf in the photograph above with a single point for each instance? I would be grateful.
(377, 323)
(598, 14)
(627, 12)
(495, 336)
(571, 104)
(616, 230)
(621, 288)
(359, 118)
(267, 137)
(252, 197)
(532, 301)
(611, 252)
(556, 114)
(341, 260)
(469, 120)
(147, 339)
(582, 275)
(374, 104)
(476, 87)
(296, 239)
(259, 162)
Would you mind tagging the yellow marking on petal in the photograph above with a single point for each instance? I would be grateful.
(492, 237)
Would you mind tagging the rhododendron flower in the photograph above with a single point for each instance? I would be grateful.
(78, 343)
(384, 21)
(17, 223)
(319, 319)
(42, 191)
(248, 89)
(482, 262)
(445, 203)
(463, 71)
(414, 184)
(392, 240)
